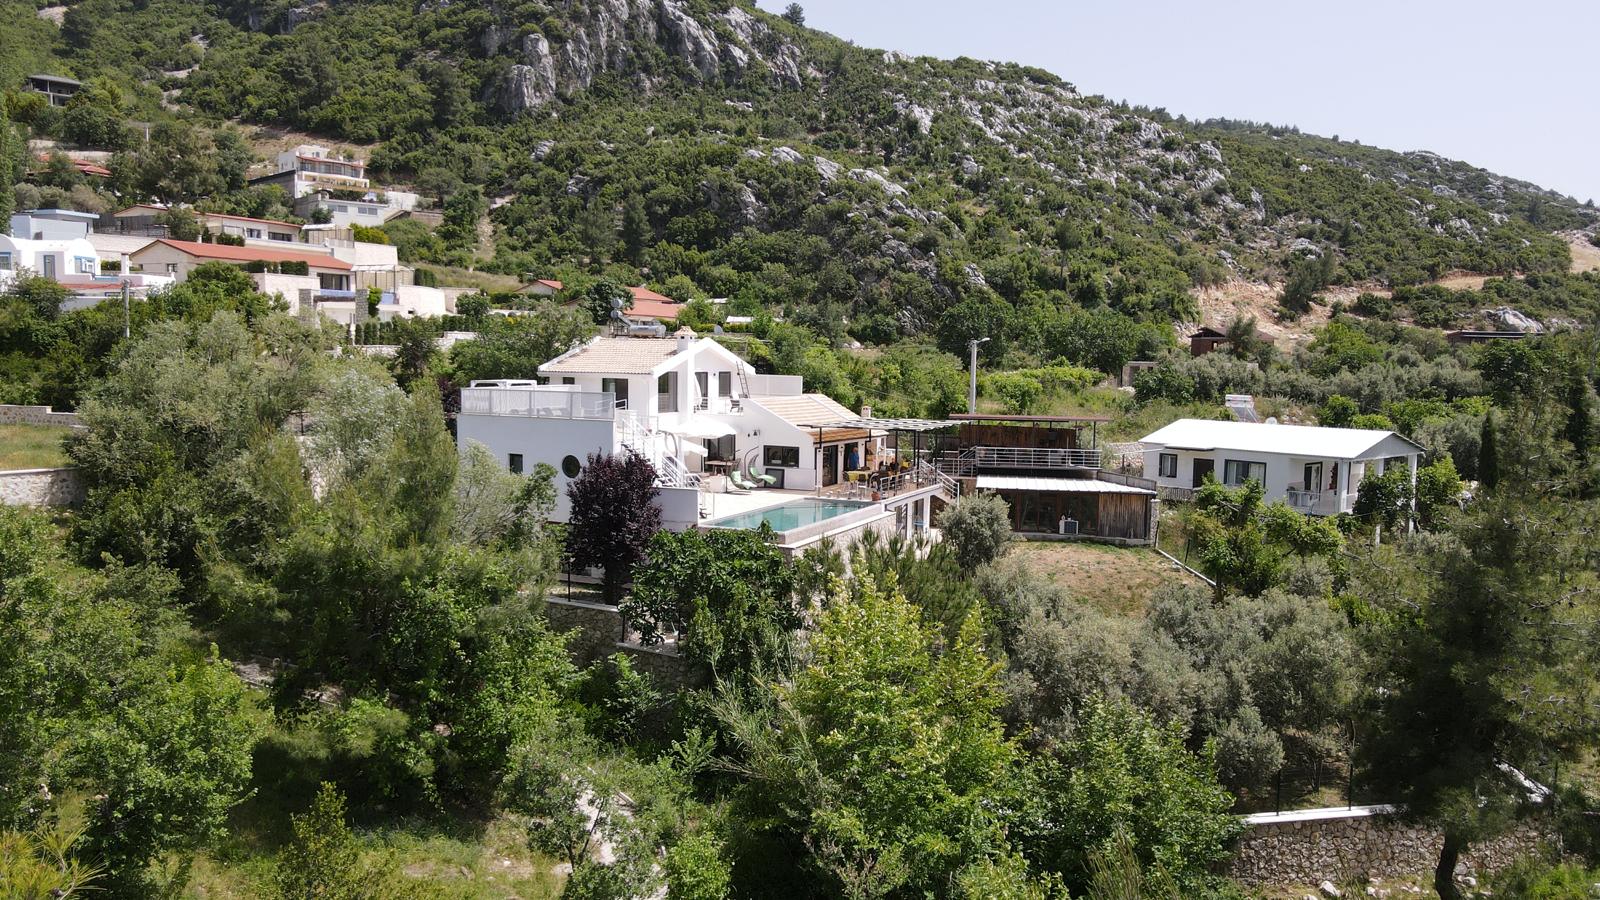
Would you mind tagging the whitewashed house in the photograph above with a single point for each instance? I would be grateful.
(53, 243)
(697, 411)
(1316, 470)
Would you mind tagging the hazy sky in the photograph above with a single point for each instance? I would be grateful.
(1513, 87)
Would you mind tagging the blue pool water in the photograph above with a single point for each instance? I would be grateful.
(796, 514)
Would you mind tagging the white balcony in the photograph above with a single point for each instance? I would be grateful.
(549, 402)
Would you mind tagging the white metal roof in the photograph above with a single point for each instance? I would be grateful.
(1289, 440)
(1056, 485)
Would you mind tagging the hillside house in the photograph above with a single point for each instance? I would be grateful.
(1316, 470)
(1207, 340)
(1048, 470)
(57, 89)
(252, 231)
(541, 287)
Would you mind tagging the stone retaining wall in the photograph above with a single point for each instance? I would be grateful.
(41, 487)
(1362, 845)
(13, 414)
(601, 632)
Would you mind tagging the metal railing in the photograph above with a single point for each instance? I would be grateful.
(1035, 458)
(1303, 500)
(538, 403)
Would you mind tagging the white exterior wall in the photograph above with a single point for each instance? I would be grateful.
(64, 255)
(539, 440)
(1283, 471)
(420, 301)
(286, 286)
(361, 253)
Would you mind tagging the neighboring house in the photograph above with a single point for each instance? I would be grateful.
(310, 167)
(53, 243)
(371, 209)
(86, 168)
(541, 287)
(1048, 470)
(57, 244)
(1316, 470)
(250, 229)
(1207, 340)
(689, 405)
(324, 272)
(648, 307)
(57, 89)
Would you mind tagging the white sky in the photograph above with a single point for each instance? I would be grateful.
(1513, 87)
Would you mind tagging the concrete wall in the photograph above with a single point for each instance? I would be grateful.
(1312, 846)
(601, 632)
(41, 487)
(13, 414)
(539, 440)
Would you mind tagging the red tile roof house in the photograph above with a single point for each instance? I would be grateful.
(648, 307)
(179, 258)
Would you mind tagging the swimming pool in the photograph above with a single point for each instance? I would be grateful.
(791, 515)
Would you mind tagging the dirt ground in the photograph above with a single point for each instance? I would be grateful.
(1116, 580)
(1585, 256)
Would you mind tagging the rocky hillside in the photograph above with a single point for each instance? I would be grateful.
(864, 190)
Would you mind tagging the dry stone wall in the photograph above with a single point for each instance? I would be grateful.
(41, 487)
(1363, 846)
(600, 632)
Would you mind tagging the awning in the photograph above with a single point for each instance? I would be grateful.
(696, 449)
(700, 427)
(1056, 485)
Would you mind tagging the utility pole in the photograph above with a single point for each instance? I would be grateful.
(972, 383)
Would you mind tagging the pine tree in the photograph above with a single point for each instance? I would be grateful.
(8, 168)
(323, 862)
(1579, 429)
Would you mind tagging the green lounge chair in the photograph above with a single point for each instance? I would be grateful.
(758, 479)
(739, 484)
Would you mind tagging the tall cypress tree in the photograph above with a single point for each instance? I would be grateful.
(1488, 453)
(9, 143)
(1580, 425)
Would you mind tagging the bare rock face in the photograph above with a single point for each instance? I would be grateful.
(604, 35)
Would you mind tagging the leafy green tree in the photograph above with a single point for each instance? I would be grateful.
(1307, 278)
(323, 861)
(697, 869)
(42, 296)
(416, 348)
(978, 529)
(1124, 777)
(462, 212)
(1164, 382)
(597, 300)
(515, 346)
(473, 306)
(170, 759)
(1338, 411)
(1438, 493)
(729, 596)
(884, 759)
(613, 518)
(1385, 498)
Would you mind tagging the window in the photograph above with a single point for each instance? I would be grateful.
(568, 379)
(5, 261)
(725, 384)
(279, 236)
(1169, 465)
(172, 268)
(86, 265)
(367, 210)
(514, 463)
(783, 457)
(570, 466)
(1237, 471)
(253, 233)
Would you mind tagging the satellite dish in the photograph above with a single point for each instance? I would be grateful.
(1272, 420)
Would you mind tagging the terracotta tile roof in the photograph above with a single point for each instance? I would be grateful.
(613, 356)
(548, 282)
(229, 253)
(650, 308)
(644, 293)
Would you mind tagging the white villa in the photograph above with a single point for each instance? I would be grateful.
(57, 244)
(728, 443)
(1316, 470)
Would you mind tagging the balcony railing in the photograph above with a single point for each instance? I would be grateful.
(538, 403)
(1304, 500)
(1035, 458)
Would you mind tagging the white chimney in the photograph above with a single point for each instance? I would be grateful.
(685, 337)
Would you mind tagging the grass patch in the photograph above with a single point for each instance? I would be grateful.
(32, 446)
(1116, 580)
(454, 276)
